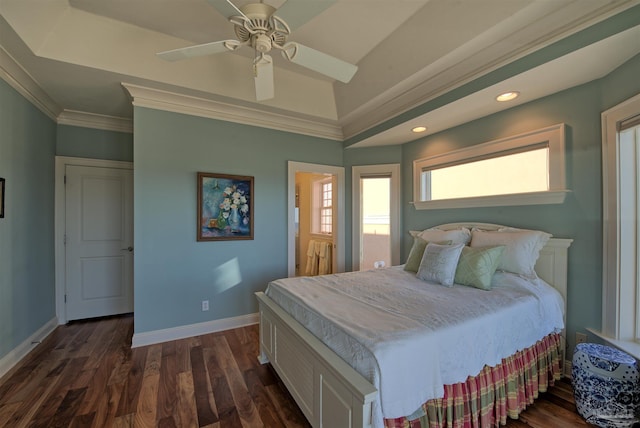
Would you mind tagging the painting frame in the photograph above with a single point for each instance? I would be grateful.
(225, 207)
(2, 181)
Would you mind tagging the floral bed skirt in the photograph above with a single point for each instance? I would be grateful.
(487, 399)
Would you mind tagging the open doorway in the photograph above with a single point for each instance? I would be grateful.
(316, 219)
(376, 216)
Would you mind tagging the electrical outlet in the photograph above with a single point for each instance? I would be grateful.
(581, 338)
(205, 305)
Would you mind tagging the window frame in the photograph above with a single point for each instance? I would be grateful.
(322, 207)
(616, 302)
(552, 136)
(384, 170)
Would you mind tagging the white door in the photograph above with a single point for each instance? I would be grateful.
(99, 241)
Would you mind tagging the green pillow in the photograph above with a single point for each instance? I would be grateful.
(477, 266)
(416, 253)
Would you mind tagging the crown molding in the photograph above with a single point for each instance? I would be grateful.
(96, 121)
(194, 106)
(20, 80)
(432, 82)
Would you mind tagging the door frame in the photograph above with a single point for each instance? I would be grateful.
(338, 171)
(363, 171)
(60, 221)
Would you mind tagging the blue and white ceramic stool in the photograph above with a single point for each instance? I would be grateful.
(605, 385)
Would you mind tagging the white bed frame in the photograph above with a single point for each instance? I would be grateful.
(331, 393)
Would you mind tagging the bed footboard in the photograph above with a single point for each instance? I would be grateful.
(329, 392)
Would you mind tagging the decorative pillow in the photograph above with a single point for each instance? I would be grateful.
(415, 255)
(456, 236)
(439, 263)
(522, 248)
(477, 266)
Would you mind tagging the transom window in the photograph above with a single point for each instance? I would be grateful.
(520, 170)
(502, 175)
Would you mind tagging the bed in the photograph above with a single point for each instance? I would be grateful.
(392, 357)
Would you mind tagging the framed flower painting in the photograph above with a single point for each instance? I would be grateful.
(225, 207)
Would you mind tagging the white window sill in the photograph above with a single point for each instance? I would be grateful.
(532, 198)
(631, 348)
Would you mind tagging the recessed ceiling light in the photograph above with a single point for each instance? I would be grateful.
(419, 129)
(507, 96)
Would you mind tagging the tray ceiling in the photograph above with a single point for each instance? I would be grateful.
(79, 52)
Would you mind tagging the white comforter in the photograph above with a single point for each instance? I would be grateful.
(409, 337)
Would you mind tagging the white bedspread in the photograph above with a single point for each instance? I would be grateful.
(409, 337)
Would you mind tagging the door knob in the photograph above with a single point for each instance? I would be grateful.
(129, 249)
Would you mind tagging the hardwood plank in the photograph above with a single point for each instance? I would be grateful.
(227, 412)
(7, 410)
(106, 406)
(131, 388)
(68, 407)
(286, 407)
(241, 397)
(167, 422)
(81, 338)
(124, 421)
(239, 350)
(205, 403)
(167, 391)
(86, 374)
(22, 391)
(147, 403)
(82, 421)
(545, 411)
(30, 405)
(262, 401)
(54, 401)
(183, 353)
(187, 413)
(101, 398)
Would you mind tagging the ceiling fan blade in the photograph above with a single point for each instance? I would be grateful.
(320, 62)
(226, 8)
(297, 12)
(263, 71)
(198, 50)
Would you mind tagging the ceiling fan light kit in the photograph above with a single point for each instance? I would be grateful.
(256, 26)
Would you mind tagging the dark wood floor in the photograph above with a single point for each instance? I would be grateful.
(85, 374)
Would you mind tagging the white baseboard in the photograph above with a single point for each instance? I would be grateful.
(174, 333)
(19, 352)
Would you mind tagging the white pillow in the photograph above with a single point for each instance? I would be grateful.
(522, 247)
(439, 263)
(456, 236)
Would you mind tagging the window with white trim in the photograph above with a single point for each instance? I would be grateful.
(322, 207)
(326, 208)
(520, 170)
(621, 236)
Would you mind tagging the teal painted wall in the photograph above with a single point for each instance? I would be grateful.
(91, 143)
(579, 217)
(27, 282)
(621, 84)
(174, 272)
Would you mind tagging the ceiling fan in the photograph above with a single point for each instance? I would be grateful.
(257, 26)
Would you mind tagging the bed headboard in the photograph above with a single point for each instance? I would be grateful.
(552, 263)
